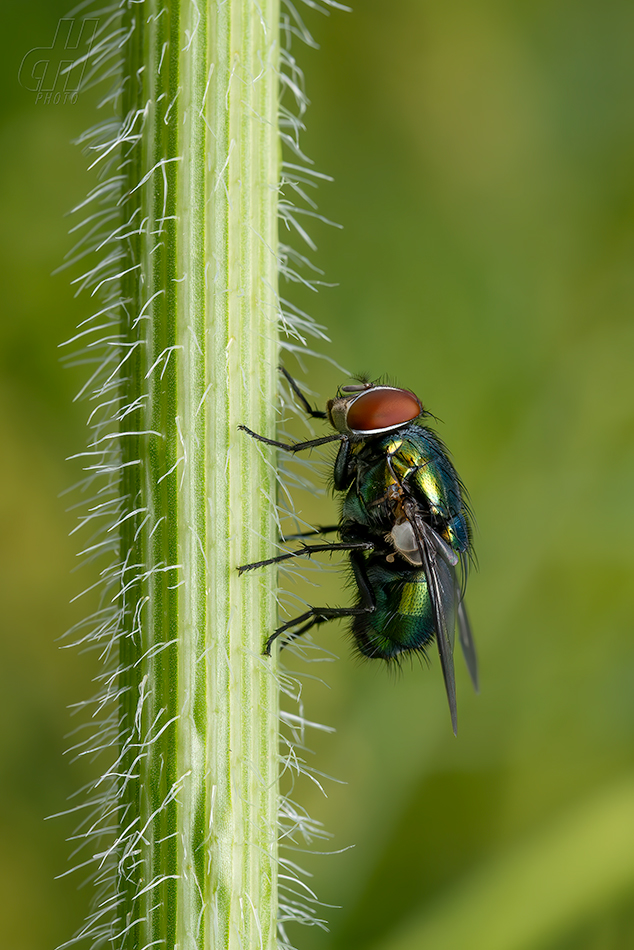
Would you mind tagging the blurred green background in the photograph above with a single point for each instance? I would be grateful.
(483, 156)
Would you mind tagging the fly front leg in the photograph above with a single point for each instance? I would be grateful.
(295, 446)
(308, 409)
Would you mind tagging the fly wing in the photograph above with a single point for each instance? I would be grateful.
(441, 579)
(467, 644)
(442, 584)
(445, 550)
(464, 627)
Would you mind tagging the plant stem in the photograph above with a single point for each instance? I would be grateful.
(196, 777)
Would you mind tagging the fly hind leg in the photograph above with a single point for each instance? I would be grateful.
(318, 615)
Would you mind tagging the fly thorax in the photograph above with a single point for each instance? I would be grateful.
(404, 540)
(402, 468)
(393, 446)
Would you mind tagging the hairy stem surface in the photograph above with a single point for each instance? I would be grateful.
(196, 857)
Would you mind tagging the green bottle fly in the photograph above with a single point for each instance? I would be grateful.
(405, 524)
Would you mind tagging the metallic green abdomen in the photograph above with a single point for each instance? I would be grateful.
(404, 617)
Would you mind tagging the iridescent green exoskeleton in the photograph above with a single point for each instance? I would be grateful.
(405, 524)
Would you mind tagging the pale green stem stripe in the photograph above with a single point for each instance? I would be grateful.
(198, 856)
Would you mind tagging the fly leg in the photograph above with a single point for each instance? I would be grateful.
(325, 529)
(317, 615)
(306, 550)
(308, 409)
(296, 446)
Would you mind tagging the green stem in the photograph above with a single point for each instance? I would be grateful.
(182, 828)
(196, 862)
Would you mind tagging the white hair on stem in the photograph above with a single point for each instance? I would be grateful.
(112, 837)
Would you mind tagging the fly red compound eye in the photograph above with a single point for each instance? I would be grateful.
(383, 408)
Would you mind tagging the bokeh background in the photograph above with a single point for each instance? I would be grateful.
(483, 163)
